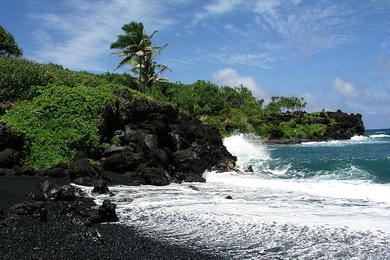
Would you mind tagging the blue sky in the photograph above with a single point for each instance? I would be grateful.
(336, 54)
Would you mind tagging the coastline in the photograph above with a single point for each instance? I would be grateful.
(67, 236)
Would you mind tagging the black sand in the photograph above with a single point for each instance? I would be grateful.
(66, 237)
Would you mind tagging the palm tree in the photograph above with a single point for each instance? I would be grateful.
(136, 49)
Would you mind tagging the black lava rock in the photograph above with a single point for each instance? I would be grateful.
(84, 181)
(35, 209)
(9, 158)
(105, 213)
(83, 168)
(64, 193)
(9, 139)
(100, 187)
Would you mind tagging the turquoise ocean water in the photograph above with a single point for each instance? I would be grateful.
(361, 158)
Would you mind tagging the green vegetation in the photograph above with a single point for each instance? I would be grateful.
(19, 78)
(59, 122)
(137, 50)
(237, 110)
(8, 46)
(60, 111)
(63, 120)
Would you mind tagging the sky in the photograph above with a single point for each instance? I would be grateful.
(335, 54)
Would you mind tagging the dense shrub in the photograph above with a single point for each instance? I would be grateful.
(19, 78)
(60, 121)
(119, 79)
(228, 109)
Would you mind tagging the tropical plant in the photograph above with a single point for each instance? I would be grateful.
(136, 49)
(20, 78)
(8, 46)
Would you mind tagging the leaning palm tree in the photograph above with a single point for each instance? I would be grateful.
(136, 49)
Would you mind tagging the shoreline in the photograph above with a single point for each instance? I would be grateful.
(67, 236)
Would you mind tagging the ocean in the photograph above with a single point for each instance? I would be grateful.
(316, 200)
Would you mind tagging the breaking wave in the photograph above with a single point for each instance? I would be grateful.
(319, 200)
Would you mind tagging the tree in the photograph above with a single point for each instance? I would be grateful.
(8, 46)
(137, 50)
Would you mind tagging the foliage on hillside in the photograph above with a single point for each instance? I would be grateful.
(59, 122)
(63, 120)
(237, 110)
(60, 111)
(20, 79)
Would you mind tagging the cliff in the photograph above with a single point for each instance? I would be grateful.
(300, 127)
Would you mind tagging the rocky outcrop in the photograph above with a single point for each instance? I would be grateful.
(345, 125)
(11, 145)
(53, 201)
(339, 126)
(154, 144)
(105, 213)
(10, 140)
(158, 145)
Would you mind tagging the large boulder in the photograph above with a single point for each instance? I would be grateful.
(122, 162)
(152, 175)
(25, 170)
(105, 213)
(63, 193)
(100, 187)
(57, 171)
(113, 150)
(152, 148)
(83, 168)
(34, 209)
(134, 134)
(8, 139)
(9, 158)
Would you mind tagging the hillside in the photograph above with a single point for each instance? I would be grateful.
(61, 112)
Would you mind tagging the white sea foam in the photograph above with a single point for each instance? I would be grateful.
(269, 216)
(265, 219)
(247, 148)
(379, 136)
(347, 189)
(357, 139)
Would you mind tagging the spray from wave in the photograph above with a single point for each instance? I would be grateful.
(247, 148)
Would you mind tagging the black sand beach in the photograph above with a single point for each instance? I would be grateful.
(67, 236)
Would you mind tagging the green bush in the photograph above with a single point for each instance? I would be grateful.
(20, 78)
(315, 130)
(60, 121)
(229, 109)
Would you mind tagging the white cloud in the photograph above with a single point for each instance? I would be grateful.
(266, 6)
(261, 60)
(287, 29)
(362, 99)
(222, 6)
(344, 88)
(217, 7)
(360, 95)
(80, 37)
(230, 77)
